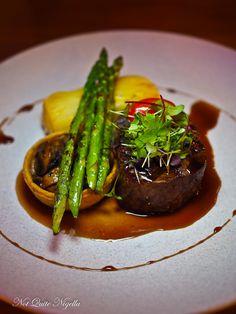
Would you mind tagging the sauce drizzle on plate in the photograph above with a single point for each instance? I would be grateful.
(5, 139)
(8, 139)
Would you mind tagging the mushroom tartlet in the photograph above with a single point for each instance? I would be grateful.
(40, 171)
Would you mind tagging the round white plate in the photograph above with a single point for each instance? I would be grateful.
(44, 272)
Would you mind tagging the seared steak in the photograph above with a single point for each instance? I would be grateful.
(154, 190)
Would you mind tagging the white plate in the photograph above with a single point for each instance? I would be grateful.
(198, 279)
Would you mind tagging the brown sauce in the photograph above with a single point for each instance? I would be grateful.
(108, 221)
(171, 90)
(217, 229)
(109, 268)
(112, 268)
(26, 108)
(5, 139)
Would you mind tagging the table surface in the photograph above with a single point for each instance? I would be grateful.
(26, 23)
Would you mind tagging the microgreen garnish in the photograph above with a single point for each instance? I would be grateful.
(112, 192)
(164, 134)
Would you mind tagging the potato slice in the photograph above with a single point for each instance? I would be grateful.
(59, 108)
(133, 87)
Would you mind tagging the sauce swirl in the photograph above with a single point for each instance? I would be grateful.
(8, 139)
(5, 139)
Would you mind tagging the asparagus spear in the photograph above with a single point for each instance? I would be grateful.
(97, 135)
(78, 172)
(104, 166)
(77, 179)
(89, 85)
(67, 157)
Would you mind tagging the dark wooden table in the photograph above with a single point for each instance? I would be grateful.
(26, 23)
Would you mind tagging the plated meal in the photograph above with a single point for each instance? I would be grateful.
(176, 261)
(118, 146)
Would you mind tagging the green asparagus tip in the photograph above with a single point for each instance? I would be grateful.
(103, 54)
(55, 230)
(118, 61)
(58, 213)
(74, 208)
(55, 226)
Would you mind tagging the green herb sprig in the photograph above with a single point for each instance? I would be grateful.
(162, 134)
